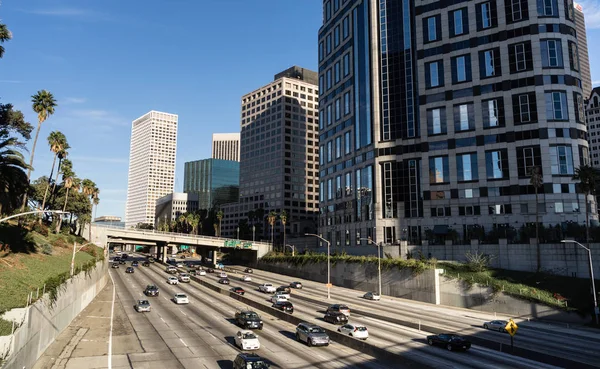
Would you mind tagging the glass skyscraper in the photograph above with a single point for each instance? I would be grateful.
(215, 181)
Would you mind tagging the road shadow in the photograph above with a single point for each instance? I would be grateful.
(288, 334)
(230, 340)
(225, 364)
(232, 321)
(16, 240)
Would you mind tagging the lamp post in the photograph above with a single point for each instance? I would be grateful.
(253, 231)
(238, 232)
(293, 249)
(591, 275)
(76, 250)
(328, 262)
(34, 212)
(369, 240)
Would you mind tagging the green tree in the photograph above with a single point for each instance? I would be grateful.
(220, 215)
(68, 182)
(537, 180)
(43, 105)
(194, 221)
(283, 217)
(588, 178)
(90, 190)
(5, 35)
(58, 143)
(272, 218)
(13, 180)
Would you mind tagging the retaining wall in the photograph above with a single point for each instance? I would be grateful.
(43, 322)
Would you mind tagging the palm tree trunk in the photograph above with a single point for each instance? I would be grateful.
(60, 218)
(537, 236)
(37, 133)
(53, 193)
(47, 187)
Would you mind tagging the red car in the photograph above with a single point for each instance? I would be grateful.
(238, 290)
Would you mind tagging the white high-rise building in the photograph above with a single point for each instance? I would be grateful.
(226, 146)
(151, 165)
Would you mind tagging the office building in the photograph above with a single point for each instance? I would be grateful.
(109, 220)
(279, 155)
(226, 146)
(592, 113)
(151, 165)
(215, 181)
(433, 115)
(171, 206)
(584, 58)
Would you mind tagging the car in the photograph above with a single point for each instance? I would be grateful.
(151, 290)
(116, 259)
(339, 308)
(278, 297)
(124, 256)
(372, 296)
(283, 290)
(248, 270)
(238, 290)
(285, 306)
(210, 270)
(222, 275)
(246, 360)
(115, 265)
(146, 264)
(134, 263)
(266, 288)
(496, 325)
(247, 340)
(142, 306)
(171, 269)
(354, 330)
(220, 266)
(151, 260)
(184, 278)
(200, 272)
(245, 278)
(312, 334)
(450, 341)
(248, 319)
(335, 317)
(180, 265)
(172, 280)
(224, 281)
(297, 285)
(129, 270)
(180, 298)
(122, 262)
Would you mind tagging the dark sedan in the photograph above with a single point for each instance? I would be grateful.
(297, 285)
(451, 342)
(284, 306)
(335, 318)
(134, 263)
(210, 270)
(224, 280)
(146, 264)
(129, 270)
(248, 270)
(238, 290)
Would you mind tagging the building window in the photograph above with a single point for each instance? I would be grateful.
(556, 105)
(338, 147)
(321, 54)
(579, 109)
(489, 63)
(321, 84)
(336, 72)
(338, 109)
(561, 160)
(461, 68)
(346, 64)
(569, 10)
(438, 169)
(432, 28)
(336, 36)
(348, 184)
(459, 22)
(524, 108)
(466, 165)
(329, 151)
(346, 103)
(434, 74)
(328, 10)
(520, 57)
(496, 164)
(338, 187)
(547, 8)
(493, 113)
(528, 158)
(347, 143)
(328, 79)
(345, 27)
(329, 189)
(516, 10)
(322, 155)
(486, 15)
(328, 44)
(551, 53)
(436, 121)
(464, 119)
(328, 111)
(573, 56)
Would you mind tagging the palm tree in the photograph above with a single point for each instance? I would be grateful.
(90, 190)
(181, 222)
(220, 215)
(58, 143)
(194, 221)
(537, 180)
(283, 216)
(189, 219)
(43, 105)
(61, 157)
(5, 35)
(272, 218)
(588, 178)
(13, 180)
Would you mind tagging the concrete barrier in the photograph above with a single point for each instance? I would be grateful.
(43, 321)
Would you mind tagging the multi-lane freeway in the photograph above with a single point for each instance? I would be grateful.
(202, 332)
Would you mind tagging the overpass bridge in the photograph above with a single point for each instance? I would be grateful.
(103, 235)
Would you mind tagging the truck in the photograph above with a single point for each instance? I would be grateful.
(267, 288)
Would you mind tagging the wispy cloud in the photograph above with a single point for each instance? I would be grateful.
(591, 12)
(74, 100)
(77, 13)
(596, 83)
(99, 159)
(10, 81)
(101, 117)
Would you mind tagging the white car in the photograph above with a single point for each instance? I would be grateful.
(372, 296)
(201, 272)
(354, 330)
(181, 298)
(247, 340)
(277, 298)
(173, 280)
(245, 278)
(267, 288)
(180, 265)
(184, 277)
(222, 275)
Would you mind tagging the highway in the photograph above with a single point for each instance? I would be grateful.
(200, 334)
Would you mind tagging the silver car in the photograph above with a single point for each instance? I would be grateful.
(496, 325)
(312, 334)
(142, 306)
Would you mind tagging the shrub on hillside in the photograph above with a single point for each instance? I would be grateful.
(47, 249)
(41, 229)
(478, 261)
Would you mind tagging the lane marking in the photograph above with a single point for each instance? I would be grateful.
(185, 344)
(163, 320)
(112, 314)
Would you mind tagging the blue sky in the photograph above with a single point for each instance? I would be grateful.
(108, 62)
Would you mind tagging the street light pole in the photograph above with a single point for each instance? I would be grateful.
(591, 276)
(238, 232)
(75, 250)
(293, 249)
(253, 230)
(328, 262)
(369, 240)
(34, 212)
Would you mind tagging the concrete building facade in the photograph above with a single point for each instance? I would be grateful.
(582, 47)
(279, 155)
(171, 206)
(434, 114)
(151, 165)
(226, 146)
(215, 181)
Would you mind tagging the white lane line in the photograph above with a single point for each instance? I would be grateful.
(163, 320)
(112, 313)
(182, 312)
(185, 344)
